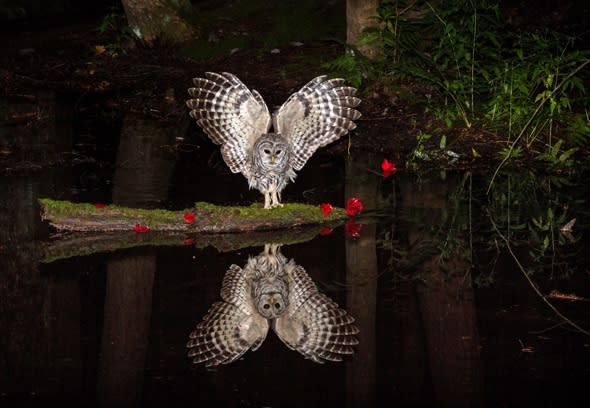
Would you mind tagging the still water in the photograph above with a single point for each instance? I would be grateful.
(462, 297)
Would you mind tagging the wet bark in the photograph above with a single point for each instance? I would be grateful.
(163, 20)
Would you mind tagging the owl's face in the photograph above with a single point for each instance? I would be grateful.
(271, 151)
(271, 305)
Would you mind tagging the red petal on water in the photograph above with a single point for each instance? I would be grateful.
(388, 168)
(326, 208)
(189, 217)
(141, 229)
(100, 205)
(326, 231)
(353, 206)
(353, 229)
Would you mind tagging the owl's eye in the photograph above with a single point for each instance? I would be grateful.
(266, 306)
(278, 151)
(277, 305)
(267, 151)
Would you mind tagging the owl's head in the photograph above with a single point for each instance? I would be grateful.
(271, 151)
(271, 305)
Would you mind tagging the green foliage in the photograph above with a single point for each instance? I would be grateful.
(115, 23)
(557, 157)
(353, 66)
(510, 153)
(528, 86)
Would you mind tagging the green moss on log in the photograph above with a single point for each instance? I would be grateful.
(209, 218)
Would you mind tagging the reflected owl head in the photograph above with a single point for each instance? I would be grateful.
(271, 305)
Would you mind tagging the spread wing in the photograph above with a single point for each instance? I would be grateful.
(232, 115)
(315, 326)
(231, 327)
(318, 114)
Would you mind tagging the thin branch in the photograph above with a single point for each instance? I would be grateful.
(535, 288)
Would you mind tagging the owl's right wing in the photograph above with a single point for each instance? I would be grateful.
(314, 325)
(232, 115)
(231, 327)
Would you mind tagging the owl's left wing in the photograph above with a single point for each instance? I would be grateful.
(232, 115)
(318, 114)
(231, 327)
(314, 325)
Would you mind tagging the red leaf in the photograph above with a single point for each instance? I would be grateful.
(141, 229)
(354, 205)
(189, 241)
(326, 231)
(388, 168)
(189, 217)
(353, 229)
(100, 205)
(326, 208)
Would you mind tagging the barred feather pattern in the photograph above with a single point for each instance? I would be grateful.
(315, 326)
(230, 114)
(238, 120)
(306, 320)
(319, 114)
(231, 327)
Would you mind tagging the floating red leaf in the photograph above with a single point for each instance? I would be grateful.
(100, 205)
(141, 229)
(326, 208)
(326, 231)
(353, 229)
(354, 205)
(388, 168)
(189, 217)
(189, 241)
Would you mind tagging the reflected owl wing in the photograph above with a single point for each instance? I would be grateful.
(231, 327)
(315, 326)
(318, 114)
(232, 115)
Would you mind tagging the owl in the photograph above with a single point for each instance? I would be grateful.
(237, 119)
(271, 291)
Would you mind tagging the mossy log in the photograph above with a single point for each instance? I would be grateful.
(208, 218)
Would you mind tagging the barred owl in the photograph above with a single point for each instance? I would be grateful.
(271, 291)
(238, 119)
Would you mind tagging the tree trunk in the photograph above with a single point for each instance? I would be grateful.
(163, 20)
(359, 15)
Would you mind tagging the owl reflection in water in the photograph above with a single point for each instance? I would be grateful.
(238, 119)
(271, 291)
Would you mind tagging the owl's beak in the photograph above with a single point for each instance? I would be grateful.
(273, 159)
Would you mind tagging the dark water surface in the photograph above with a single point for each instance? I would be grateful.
(441, 278)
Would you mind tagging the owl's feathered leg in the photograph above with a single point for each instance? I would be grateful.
(267, 200)
(275, 200)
